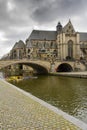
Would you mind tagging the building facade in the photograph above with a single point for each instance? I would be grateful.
(63, 44)
(18, 51)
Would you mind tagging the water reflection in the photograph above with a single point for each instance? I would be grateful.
(68, 94)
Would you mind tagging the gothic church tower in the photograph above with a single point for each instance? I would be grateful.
(68, 42)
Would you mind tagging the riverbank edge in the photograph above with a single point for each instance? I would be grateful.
(68, 117)
(70, 74)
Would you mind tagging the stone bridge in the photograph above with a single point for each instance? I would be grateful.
(45, 66)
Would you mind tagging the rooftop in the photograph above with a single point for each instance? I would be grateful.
(42, 35)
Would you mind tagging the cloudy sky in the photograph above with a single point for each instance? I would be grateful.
(19, 17)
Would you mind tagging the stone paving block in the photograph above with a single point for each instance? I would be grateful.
(20, 112)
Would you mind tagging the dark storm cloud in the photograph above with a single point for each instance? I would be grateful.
(4, 17)
(53, 9)
(40, 11)
(17, 17)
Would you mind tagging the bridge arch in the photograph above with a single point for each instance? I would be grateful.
(40, 67)
(64, 67)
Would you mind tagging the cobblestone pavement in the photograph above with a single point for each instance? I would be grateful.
(20, 112)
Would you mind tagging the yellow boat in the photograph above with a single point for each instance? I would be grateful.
(14, 78)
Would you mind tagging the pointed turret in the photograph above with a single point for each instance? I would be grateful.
(59, 28)
(68, 28)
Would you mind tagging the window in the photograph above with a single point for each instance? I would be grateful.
(70, 49)
(51, 44)
(69, 27)
(28, 50)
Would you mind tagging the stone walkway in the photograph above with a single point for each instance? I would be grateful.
(71, 74)
(20, 111)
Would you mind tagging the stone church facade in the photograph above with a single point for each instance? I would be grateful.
(63, 44)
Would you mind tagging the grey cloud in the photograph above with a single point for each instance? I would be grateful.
(6, 47)
(16, 17)
(37, 9)
(4, 17)
(28, 13)
(58, 8)
(40, 11)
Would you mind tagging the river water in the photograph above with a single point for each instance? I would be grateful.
(68, 94)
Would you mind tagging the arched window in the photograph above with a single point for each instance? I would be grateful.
(70, 49)
(28, 50)
(51, 44)
(47, 45)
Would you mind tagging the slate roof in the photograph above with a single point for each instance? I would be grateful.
(41, 35)
(83, 36)
(19, 45)
(50, 35)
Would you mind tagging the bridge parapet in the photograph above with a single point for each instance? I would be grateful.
(44, 64)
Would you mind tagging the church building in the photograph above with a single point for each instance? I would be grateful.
(63, 44)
